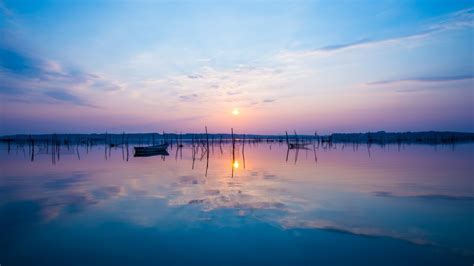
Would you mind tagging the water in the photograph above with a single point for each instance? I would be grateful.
(388, 206)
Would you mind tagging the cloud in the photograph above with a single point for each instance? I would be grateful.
(189, 97)
(16, 62)
(195, 76)
(460, 19)
(343, 46)
(293, 223)
(27, 75)
(362, 44)
(7, 15)
(10, 89)
(104, 85)
(67, 97)
(423, 196)
(457, 20)
(425, 79)
(22, 74)
(234, 93)
(242, 85)
(23, 65)
(65, 182)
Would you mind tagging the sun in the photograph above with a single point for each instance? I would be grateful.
(236, 111)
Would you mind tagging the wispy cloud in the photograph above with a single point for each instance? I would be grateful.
(242, 85)
(362, 44)
(425, 79)
(234, 93)
(195, 76)
(424, 196)
(343, 46)
(67, 97)
(457, 20)
(22, 74)
(189, 97)
(27, 75)
(291, 223)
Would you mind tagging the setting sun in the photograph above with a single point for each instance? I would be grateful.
(236, 111)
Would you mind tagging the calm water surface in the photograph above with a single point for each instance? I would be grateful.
(392, 206)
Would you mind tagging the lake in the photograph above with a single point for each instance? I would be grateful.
(343, 205)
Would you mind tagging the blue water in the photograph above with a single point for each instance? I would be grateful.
(412, 206)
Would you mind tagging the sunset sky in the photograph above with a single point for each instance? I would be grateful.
(256, 66)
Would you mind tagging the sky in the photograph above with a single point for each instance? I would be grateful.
(178, 66)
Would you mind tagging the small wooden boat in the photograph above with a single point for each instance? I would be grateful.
(151, 149)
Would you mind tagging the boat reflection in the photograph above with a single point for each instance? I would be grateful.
(152, 153)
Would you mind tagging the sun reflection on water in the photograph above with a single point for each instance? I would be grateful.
(235, 164)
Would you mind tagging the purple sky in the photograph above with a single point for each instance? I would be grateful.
(152, 66)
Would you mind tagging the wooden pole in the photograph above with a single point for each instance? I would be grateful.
(207, 150)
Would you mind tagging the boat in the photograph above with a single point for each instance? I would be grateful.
(155, 149)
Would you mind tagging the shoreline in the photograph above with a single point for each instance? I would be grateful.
(380, 137)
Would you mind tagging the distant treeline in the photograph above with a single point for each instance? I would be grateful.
(381, 137)
(430, 137)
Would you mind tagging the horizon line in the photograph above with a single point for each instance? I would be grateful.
(237, 133)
